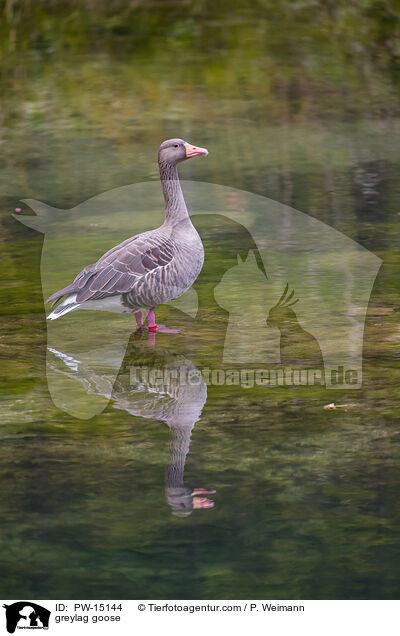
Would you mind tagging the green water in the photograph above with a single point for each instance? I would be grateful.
(294, 103)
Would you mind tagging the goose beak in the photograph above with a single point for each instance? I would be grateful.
(193, 151)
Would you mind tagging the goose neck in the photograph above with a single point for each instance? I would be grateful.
(175, 206)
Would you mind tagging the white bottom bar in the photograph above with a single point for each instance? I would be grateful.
(165, 617)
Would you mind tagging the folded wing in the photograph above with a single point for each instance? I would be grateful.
(120, 269)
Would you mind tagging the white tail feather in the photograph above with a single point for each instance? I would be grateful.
(65, 307)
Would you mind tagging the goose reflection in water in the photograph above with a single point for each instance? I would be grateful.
(156, 384)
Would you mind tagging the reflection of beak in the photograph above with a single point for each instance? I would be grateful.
(193, 151)
(202, 502)
(203, 491)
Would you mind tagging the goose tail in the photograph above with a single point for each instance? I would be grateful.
(67, 305)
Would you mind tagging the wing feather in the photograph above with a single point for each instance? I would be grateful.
(121, 268)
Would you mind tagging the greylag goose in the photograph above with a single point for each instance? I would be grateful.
(148, 269)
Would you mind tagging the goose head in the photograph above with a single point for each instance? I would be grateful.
(172, 151)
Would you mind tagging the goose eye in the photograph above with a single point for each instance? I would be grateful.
(175, 145)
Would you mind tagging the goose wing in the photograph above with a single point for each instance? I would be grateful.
(119, 269)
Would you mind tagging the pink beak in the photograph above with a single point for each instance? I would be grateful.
(194, 151)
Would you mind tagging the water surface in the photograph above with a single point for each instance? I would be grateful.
(306, 501)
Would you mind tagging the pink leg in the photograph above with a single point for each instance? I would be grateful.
(139, 319)
(151, 319)
(153, 328)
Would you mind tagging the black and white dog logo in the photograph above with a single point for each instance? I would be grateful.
(26, 615)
